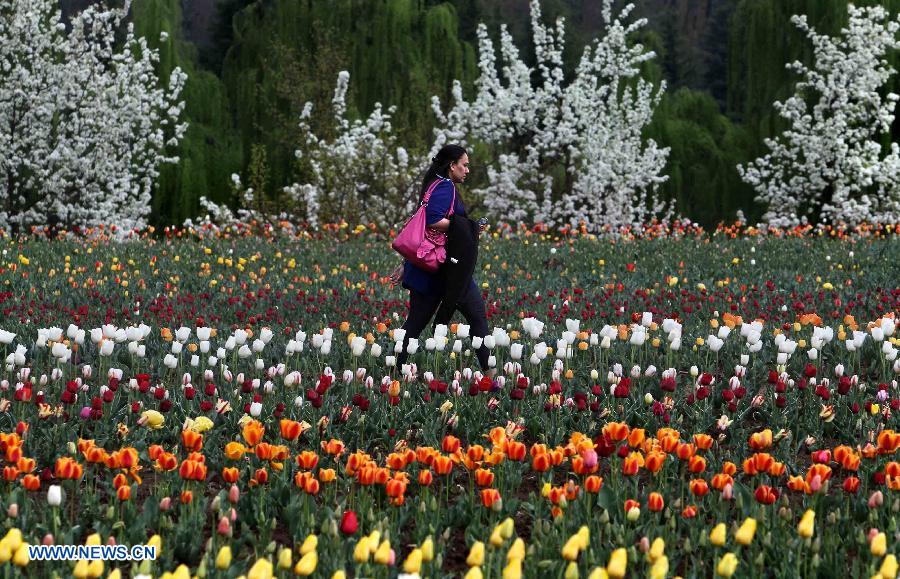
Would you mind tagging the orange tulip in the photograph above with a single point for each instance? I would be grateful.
(541, 463)
(123, 493)
(593, 484)
(721, 480)
(25, 465)
(484, 477)
(290, 429)
(230, 474)
(630, 465)
(888, 441)
(186, 497)
(253, 432)
(515, 450)
(655, 502)
(703, 441)
(97, 455)
(655, 461)
(636, 437)
(697, 464)
(698, 487)
(119, 480)
(689, 512)
(798, 484)
(307, 460)
(395, 488)
(83, 445)
(475, 453)
(616, 431)
(333, 447)
(260, 477)
(729, 468)
(234, 450)
(824, 472)
(265, 451)
(311, 487)
(685, 451)
(192, 441)
(450, 444)
(443, 465)
(761, 440)
(327, 475)
(777, 469)
(425, 455)
(425, 477)
(10, 473)
(489, 497)
(166, 462)
(631, 504)
(31, 482)
(67, 468)
(366, 475)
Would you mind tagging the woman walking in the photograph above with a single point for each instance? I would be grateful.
(426, 290)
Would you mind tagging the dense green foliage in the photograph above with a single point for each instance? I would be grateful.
(724, 62)
(210, 151)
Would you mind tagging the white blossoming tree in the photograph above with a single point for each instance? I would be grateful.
(564, 153)
(361, 174)
(84, 122)
(830, 164)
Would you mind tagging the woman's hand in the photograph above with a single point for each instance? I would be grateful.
(396, 275)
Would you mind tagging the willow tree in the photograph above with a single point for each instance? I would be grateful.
(210, 150)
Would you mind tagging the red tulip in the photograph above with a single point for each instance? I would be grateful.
(349, 523)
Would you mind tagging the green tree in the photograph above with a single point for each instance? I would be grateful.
(210, 151)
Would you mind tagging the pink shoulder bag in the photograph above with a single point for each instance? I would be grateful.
(420, 245)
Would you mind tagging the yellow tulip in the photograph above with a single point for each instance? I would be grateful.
(361, 550)
(517, 551)
(598, 573)
(93, 539)
(660, 568)
(309, 544)
(339, 574)
(584, 537)
(572, 570)
(13, 538)
(807, 524)
(879, 545)
(496, 539)
(81, 569)
(202, 424)
(223, 559)
(284, 558)
(513, 569)
(182, 572)
(718, 535)
(656, 549)
(383, 553)
(152, 419)
(95, 568)
(618, 562)
(20, 558)
(727, 565)
(5, 552)
(507, 528)
(476, 555)
(428, 549)
(114, 574)
(474, 573)
(747, 530)
(262, 569)
(156, 542)
(306, 566)
(889, 567)
(413, 563)
(571, 548)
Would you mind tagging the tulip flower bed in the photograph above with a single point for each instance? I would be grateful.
(691, 405)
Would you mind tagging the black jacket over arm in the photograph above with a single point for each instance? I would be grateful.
(462, 253)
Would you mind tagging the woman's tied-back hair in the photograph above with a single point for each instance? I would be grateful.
(440, 165)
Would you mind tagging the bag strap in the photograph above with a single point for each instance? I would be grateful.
(430, 190)
(452, 200)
